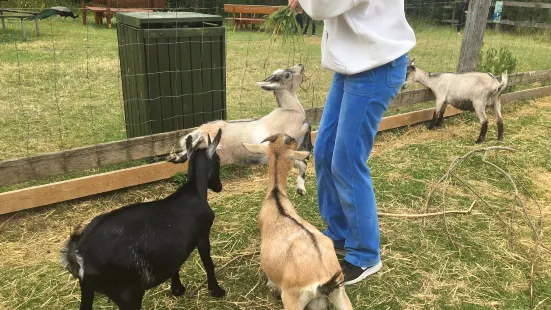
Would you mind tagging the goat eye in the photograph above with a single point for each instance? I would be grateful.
(288, 75)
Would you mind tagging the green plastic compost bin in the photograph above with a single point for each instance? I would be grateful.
(173, 70)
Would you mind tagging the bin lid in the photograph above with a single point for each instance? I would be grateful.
(152, 20)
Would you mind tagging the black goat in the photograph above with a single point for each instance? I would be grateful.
(126, 251)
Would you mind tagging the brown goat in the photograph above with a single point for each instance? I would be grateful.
(299, 261)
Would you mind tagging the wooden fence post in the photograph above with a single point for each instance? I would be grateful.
(474, 33)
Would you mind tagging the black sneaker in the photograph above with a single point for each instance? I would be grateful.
(354, 274)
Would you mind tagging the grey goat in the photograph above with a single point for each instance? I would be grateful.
(288, 117)
(465, 91)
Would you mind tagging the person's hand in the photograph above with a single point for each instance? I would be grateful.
(293, 4)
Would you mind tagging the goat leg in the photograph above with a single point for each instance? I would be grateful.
(176, 285)
(483, 130)
(434, 120)
(203, 245)
(441, 116)
(86, 296)
(480, 109)
(499, 119)
(307, 141)
(499, 129)
(301, 166)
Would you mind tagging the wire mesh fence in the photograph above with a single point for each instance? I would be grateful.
(64, 88)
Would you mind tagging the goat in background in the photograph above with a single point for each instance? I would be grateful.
(288, 117)
(465, 91)
(126, 251)
(299, 261)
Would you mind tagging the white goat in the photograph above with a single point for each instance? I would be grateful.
(465, 91)
(289, 117)
(299, 261)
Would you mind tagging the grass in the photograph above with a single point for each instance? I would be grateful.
(63, 90)
(472, 262)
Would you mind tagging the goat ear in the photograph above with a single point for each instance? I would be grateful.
(271, 138)
(412, 62)
(255, 148)
(209, 142)
(268, 85)
(299, 155)
(211, 149)
(189, 144)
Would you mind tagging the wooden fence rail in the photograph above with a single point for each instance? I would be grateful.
(96, 156)
(96, 184)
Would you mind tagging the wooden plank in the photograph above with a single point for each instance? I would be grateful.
(82, 187)
(407, 119)
(46, 165)
(526, 94)
(96, 184)
(79, 159)
(524, 24)
(537, 5)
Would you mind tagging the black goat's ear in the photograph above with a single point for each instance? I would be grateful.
(211, 149)
(189, 145)
(271, 138)
(218, 137)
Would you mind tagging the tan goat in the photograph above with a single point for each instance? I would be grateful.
(299, 261)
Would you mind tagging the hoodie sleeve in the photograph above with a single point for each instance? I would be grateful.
(326, 9)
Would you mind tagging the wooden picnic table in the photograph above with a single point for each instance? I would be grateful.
(27, 15)
(243, 14)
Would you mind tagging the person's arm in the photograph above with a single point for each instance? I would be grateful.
(325, 9)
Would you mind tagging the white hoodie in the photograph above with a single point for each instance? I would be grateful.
(360, 35)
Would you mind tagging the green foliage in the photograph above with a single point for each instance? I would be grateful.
(283, 21)
(497, 62)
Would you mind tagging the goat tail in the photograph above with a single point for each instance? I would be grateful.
(70, 258)
(504, 81)
(336, 281)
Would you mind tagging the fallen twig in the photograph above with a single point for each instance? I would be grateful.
(196, 290)
(405, 215)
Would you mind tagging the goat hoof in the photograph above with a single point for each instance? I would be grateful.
(178, 291)
(431, 127)
(218, 292)
(301, 191)
(479, 141)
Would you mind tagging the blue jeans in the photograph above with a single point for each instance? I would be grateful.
(351, 116)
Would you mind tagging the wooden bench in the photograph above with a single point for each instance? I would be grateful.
(248, 14)
(104, 8)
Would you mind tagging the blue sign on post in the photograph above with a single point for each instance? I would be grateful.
(498, 11)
